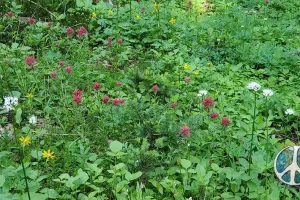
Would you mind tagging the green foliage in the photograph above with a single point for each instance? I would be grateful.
(136, 145)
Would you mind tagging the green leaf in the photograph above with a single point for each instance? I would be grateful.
(61, 16)
(131, 177)
(121, 185)
(115, 146)
(2, 180)
(185, 163)
(18, 116)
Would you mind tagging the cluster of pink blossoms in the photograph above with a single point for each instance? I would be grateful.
(77, 96)
(80, 31)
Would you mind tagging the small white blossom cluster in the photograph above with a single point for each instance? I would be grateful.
(253, 86)
(9, 102)
(32, 119)
(191, 198)
(202, 92)
(267, 92)
(289, 112)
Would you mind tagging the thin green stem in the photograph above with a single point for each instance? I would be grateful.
(24, 172)
(252, 135)
(267, 155)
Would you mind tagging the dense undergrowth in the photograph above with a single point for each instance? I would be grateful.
(102, 101)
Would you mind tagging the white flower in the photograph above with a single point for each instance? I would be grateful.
(253, 86)
(9, 102)
(190, 198)
(289, 112)
(202, 92)
(267, 92)
(33, 119)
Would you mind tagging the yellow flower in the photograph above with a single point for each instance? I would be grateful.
(94, 15)
(196, 72)
(202, 10)
(48, 155)
(25, 140)
(137, 17)
(110, 12)
(172, 20)
(29, 95)
(156, 5)
(186, 66)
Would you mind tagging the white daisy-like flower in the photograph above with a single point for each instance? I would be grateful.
(253, 86)
(33, 119)
(191, 198)
(9, 102)
(289, 112)
(202, 92)
(267, 92)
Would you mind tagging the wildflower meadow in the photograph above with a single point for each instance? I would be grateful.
(149, 99)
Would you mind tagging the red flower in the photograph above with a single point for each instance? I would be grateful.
(61, 63)
(108, 44)
(187, 79)
(267, 1)
(119, 84)
(96, 86)
(68, 69)
(82, 31)
(120, 41)
(155, 88)
(208, 102)
(53, 74)
(214, 115)
(50, 23)
(31, 20)
(70, 31)
(173, 105)
(121, 100)
(116, 102)
(77, 93)
(185, 131)
(110, 38)
(30, 60)
(10, 14)
(105, 99)
(225, 121)
(77, 99)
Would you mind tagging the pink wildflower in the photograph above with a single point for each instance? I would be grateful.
(10, 14)
(77, 99)
(96, 86)
(68, 69)
(82, 31)
(155, 88)
(77, 93)
(173, 105)
(61, 63)
(185, 131)
(119, 84)
(120, 41)
(105, 99)
(214, 115)
(110, 38)
(30, 60)
(70, 30)
(53, 74)
(208, 102)
(31, 20)
(187, 79)
(225, 121)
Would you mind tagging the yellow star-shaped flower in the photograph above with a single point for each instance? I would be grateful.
(186, 66)
(24, 140)
(196, 72)
(172, 20)
(48, 155)
(94, 15)
(137, 17)
(29, 95)
(110, 12)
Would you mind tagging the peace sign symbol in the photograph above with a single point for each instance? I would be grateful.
(287, 165)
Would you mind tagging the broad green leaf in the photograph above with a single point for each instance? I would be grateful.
(2, 180)
(185, 163)
(18, 116)
(115, 146)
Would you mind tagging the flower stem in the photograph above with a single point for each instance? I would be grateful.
(24, 172)
(252, 135)
(267, 155)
